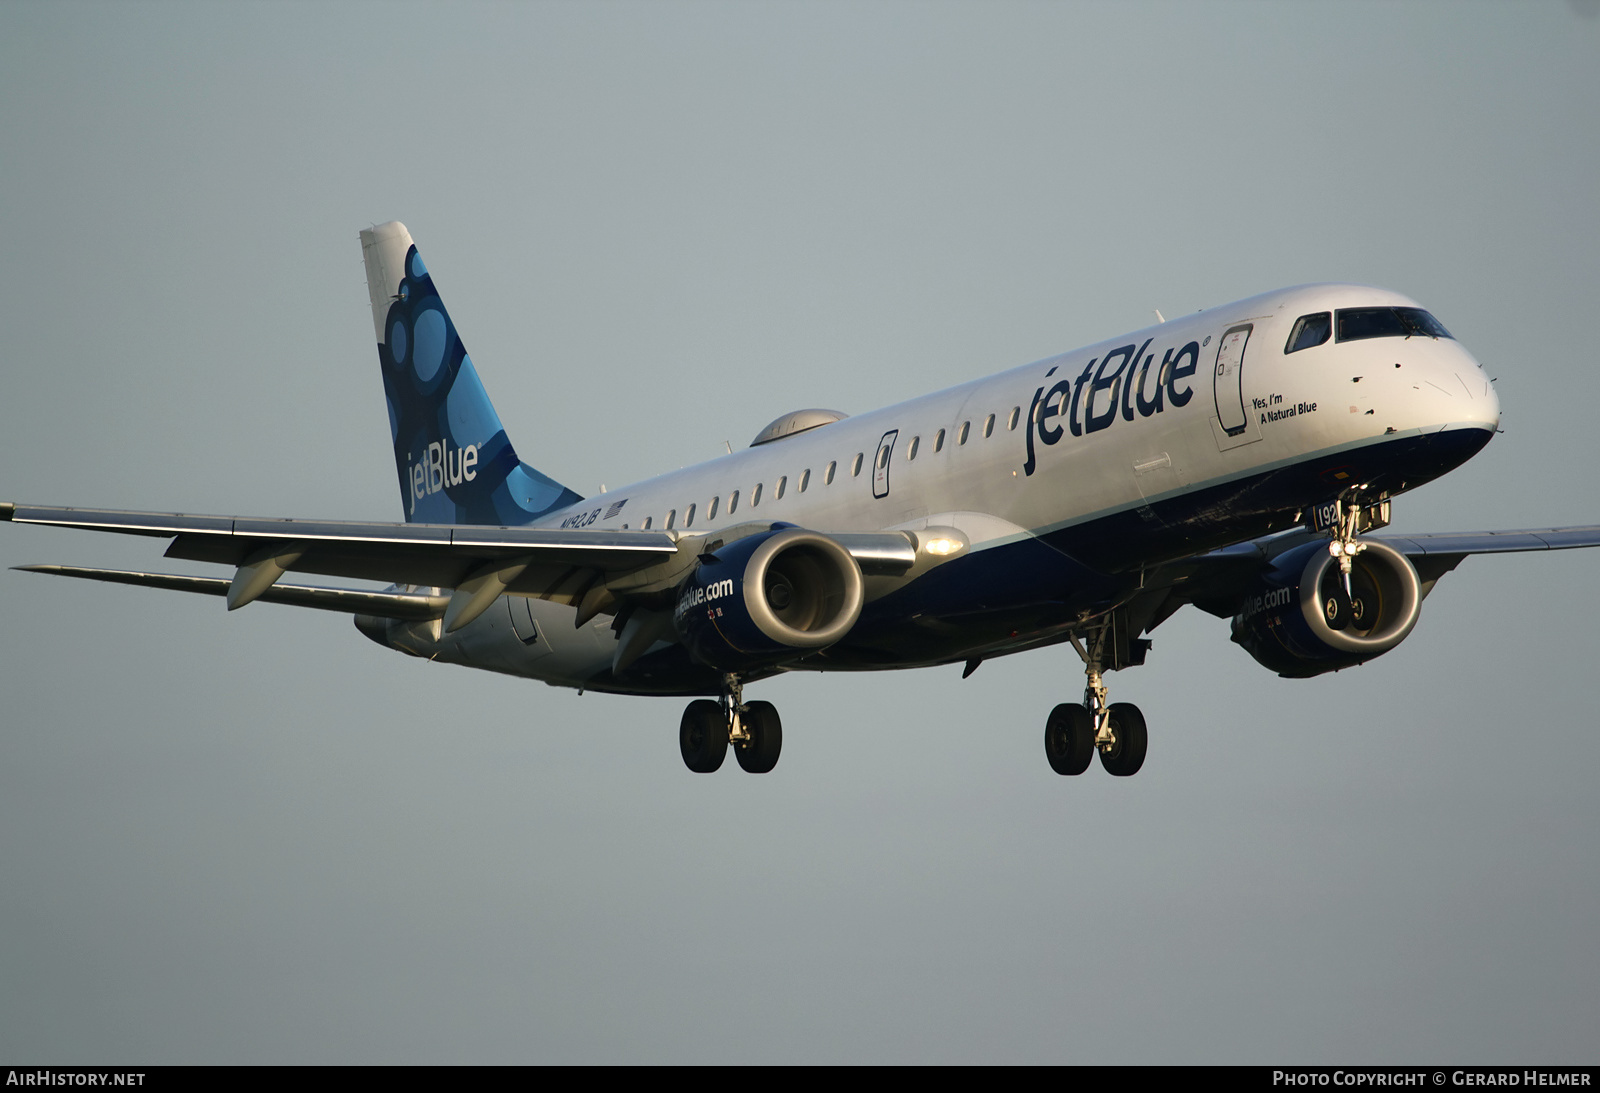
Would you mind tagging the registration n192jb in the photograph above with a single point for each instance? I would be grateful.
(1237, 459)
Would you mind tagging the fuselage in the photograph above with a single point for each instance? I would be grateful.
(1066, 478)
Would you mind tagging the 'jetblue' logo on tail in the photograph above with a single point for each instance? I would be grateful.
(436, 402)
(440, 467)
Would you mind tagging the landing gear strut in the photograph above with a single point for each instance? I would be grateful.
(1075, 732)
(1342, 603)
(708, 727)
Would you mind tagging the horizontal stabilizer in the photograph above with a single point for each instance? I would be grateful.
(391, 605)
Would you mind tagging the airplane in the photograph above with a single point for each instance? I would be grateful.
(1237, 460)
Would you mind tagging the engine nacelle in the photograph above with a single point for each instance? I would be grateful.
(1289, 624)
(768, 598)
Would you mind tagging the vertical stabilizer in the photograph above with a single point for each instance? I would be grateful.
(455, 463)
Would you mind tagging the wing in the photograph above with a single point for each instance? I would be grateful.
(1436, 554)
(1215, 582)
(592, 570)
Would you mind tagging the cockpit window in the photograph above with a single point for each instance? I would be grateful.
(1309, 330)
(1357, 323)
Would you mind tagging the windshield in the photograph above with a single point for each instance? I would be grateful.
(1357, 323)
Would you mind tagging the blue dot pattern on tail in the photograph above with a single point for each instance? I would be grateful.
(455, 462)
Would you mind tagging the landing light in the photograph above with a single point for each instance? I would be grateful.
(941, 542)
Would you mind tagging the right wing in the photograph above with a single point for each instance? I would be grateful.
(1216, 581)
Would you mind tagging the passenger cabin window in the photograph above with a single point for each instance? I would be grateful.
(647, 522)
(733, 502)
(988, 427)
(672, 514)
(1011, 422)
(961, 437)
(805, 479)
(855, 465)
(883, 457)
(938, 441)
(827, 475)
(911, 452)
(777, 491)
(1359, 323)
(688, 518)
(1309, 330)
(755, 496)
(711, 512)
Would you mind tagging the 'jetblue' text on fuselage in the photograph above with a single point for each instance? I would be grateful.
(1121, 381)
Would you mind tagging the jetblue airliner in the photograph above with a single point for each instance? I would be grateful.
(1237, 459)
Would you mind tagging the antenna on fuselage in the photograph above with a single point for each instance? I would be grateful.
(1159, 317)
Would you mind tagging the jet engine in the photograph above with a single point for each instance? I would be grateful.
(768, 598)
(1299, 622)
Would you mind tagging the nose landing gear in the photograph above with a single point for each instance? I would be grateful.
(708, 727)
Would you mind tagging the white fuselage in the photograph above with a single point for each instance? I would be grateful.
(1070, 442)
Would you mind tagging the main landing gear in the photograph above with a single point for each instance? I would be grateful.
(1074, 731)
(708, 727)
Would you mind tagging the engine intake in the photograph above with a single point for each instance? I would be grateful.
(768, 598)
(1297, 624)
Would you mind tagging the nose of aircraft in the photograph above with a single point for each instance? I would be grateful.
(1483, 402)
(1446, 388)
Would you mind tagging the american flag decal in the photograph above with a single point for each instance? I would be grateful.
(616, 507)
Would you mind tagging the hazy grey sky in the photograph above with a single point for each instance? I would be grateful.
(260, 838)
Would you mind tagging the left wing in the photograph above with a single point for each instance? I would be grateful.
(592, 570)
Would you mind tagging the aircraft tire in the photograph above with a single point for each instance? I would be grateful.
(760, 754)
(1069, 738)
(1127, 755)
(703, 736)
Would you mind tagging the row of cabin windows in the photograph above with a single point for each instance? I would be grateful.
(804, 482)
(961, 437)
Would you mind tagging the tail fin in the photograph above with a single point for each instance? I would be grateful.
(455, 463)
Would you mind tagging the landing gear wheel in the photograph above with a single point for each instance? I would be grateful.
(1069, 738)
(703, 736)
(1126, 756)
(759, 754)
(1336, 603)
